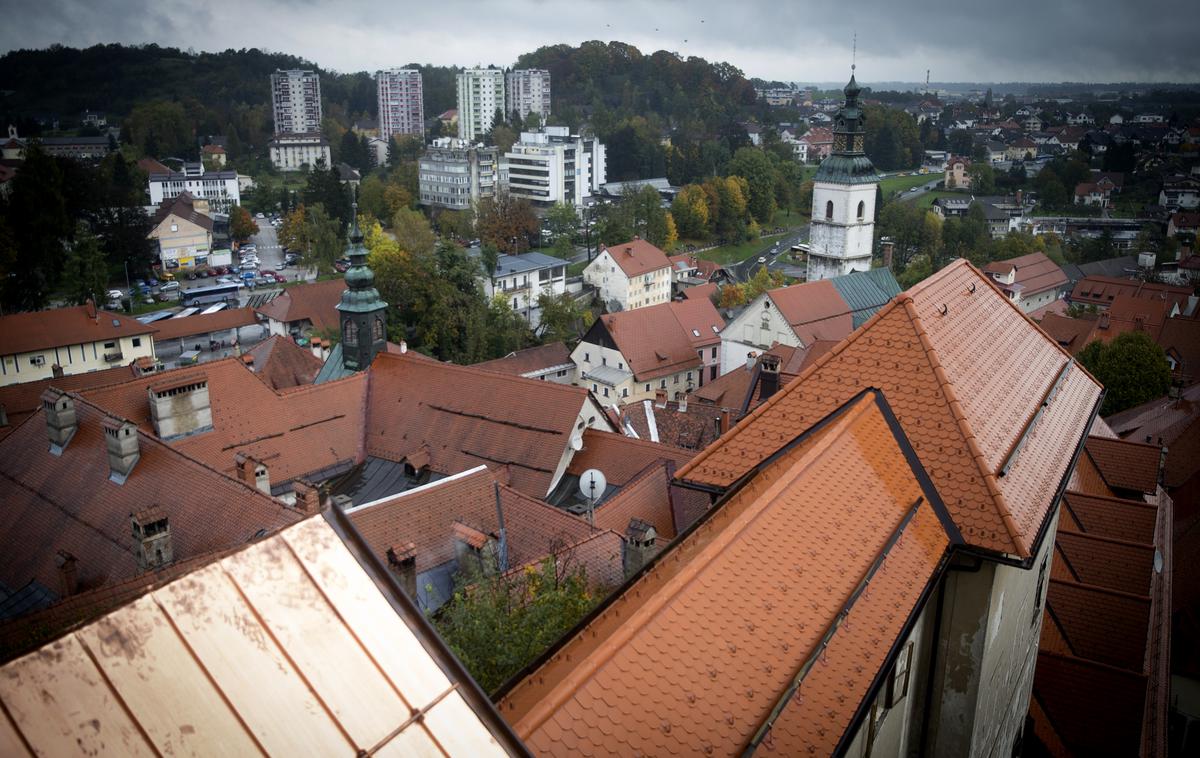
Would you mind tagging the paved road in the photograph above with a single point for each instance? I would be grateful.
(911, 195)
(776, 250)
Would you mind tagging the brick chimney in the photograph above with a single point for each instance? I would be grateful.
(769, 378)
(253, 472)
(308, 496)
(68, 575)
(121, 438)
(152, 546)
(402, 562)
(60, 418)
(640, 546)
(92, 313)
(887, 249)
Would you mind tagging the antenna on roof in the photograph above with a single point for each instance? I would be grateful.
(854, 52)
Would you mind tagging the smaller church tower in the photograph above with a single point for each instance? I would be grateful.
(362, 311)
(842, 231)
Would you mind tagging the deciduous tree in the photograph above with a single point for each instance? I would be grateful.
(241, 224)
(1132, 368)
(506, 222)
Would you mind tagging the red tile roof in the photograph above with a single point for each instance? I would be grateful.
(1180, 338)
(647, 498)
(968, 385)
(1102, 290)
(638, 257)
(1099, 624)
(530, 359)
(465, 415)
(1071, 333)
(1125, 464)
(282, 363)
(315, 302)
(708, 615)
(182, 206)
(58, 327)
(1104, 562)
(706, 291)
(151, 166)
(1035, 273)
(44, 512)
(660, 340)
(204, 324)
(814, 310)
(1096, 709)
(1101, 516)
(23, 400)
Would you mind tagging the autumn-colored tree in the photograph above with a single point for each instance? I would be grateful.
(293, 232)
(764, 279)
(563, 319)
(690, 212)
(395, 197)
(413, 232)
(506, 222)
(732, 295)
(755, 167)
(241, 224)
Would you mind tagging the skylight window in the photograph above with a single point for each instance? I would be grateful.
(695, 332)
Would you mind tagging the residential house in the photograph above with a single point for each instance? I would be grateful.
(213, 155)
(1021, 150)
(1032, 123)
(1092, 193)
(1072, 334)
(74, 340)
(690, 272)
(219, 189)
(1030, 281)
(548, 363)
(1179, 192)
(77, 148)
(1080, 119)
(522, 279)
(1101, 291)
(996, 151)
(1183, 223)
(183, 230)
(299, 152)
(302, 614)
(819, 142)
(630, 355)
(955, 175)
(799, 315)
(304, 309)
(635, 274)
(849, 527)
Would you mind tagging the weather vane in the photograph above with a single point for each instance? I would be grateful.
(854, 52)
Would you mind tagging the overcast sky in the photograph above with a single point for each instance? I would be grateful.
(793, 40)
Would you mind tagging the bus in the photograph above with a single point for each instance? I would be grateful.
(215, 293)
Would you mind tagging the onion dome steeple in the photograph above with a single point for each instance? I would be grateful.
(363, 311)
(848, 163)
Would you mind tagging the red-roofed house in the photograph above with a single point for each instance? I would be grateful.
(305, 308)
(1031, 281)
(1093, 193)
(631, 275)
(1183, 222)
(673, 347)
(184, 232)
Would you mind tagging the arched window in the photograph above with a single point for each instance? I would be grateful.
(350, 333)
(377, 330)
(828, 209)
(862, 209)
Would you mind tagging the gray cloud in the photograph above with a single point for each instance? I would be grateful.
(801, 40)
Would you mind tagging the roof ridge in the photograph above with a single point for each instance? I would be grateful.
(964, 426)
(641, 476)
(1122, 500)
(474, 369)
(1093, 663)
(1100, 588)
(1110, 540)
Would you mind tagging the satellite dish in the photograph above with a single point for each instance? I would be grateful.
(577, 442)
(592, 484)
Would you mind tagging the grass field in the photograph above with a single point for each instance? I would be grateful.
(727, 254)
(893, 185)
(926, 200)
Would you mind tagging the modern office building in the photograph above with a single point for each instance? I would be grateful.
(480, 95)
(401, 103)
(527, 91)
(296, 99)
(219, 188)
(455, 173)
(554, 166)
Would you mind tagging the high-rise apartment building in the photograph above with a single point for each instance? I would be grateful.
(454, 173)
(480, 95)
(527, 91)
(296, 97)
(554, 166)
(401, 102)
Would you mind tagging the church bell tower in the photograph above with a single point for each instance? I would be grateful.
(363, 313)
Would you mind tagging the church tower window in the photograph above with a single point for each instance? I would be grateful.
(828, 209)
(862, 210)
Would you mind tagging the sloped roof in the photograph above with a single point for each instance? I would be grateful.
(58, 327)
(204, 323)
(638, 257)
(1102, 290)
(425, 516)
(316, 302)
(530, 359)
(152, 166)
(183, 206)
(1035, 272)
(714, 691)
(465, 416)
(1070, 333)
(44, 512)
(1103, 716)
(282, 363)
(22, 400)
(814, 310)
(865, 292)
(1114, 517)
(1104, 562)
(1009, 454)
(622, 458)
(307, 432)
(346, 662)
(1126, 464)
(704, 291)
(659, 340)
(645, 497)
(1180, 337)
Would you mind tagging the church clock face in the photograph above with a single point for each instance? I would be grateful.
(839, 142)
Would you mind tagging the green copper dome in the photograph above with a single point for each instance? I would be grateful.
(848, 163)
(360, 295)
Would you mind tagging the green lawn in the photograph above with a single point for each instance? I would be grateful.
(926, 200)
(893, 185)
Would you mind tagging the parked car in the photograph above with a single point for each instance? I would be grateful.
(280, 278)
(225, 280)
(152, 282)
(115, 294)
(267, 272)
(260, 215)
(171, 286)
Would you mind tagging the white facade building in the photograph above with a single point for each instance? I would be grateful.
(554, 166)
(298, 152)
(630, 275)
(401, 102)
(219, 188)
(480, 95)
(842, 231)
(527, 91)
(296, 99)
(521, 279)
(454, 173)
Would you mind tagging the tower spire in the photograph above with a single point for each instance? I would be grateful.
(363, 312)
(854, 54)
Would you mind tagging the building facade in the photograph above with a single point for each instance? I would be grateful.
(554, 166)
(521, 279)
(480, 95)
(401, 102)
(843, 218)
(296, 101)
(77, 340)
(219, 188)
(184, 233)
(526, 92)
(632, 275)
(298, 152)
(455, 174)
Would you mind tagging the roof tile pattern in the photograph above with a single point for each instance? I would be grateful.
(283, 364)
(1126, 465)
(1104, 562)
(638, 257)
(530, 359)
(659, 340)
(315, 302)
(729, 614)
(203, 324)
(645, 498)
(23, 400)
(1099, 624)
(965, 407)
(1104, 714)
(58, 327)
(1111, 517)
(1035, 273)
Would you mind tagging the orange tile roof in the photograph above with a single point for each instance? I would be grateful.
(58, 327)
(702, 292)
(1102, 714)
(204, 324)
(1099, 624)
(282, 363)
(465, 416)
(315, 302)
(1130, 520)
(1126, 465)
(1087, 479)
(660, 340)
(1035, 273)
(638, 257)
(22, 400)
(1103, 290)
(44, 512)
(968, 386)
(296, 434)
(1071, 333)
(1103, 562)
(530, 359)
(776, 560)
(814, 310)
(183, 206)
(647, 498)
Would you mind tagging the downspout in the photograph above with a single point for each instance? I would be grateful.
(933, 649)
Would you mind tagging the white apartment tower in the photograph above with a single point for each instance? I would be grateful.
(401, 102)
(527, 91)
(480, 95)
(554, 166)
(843, 216)
(296, 98)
